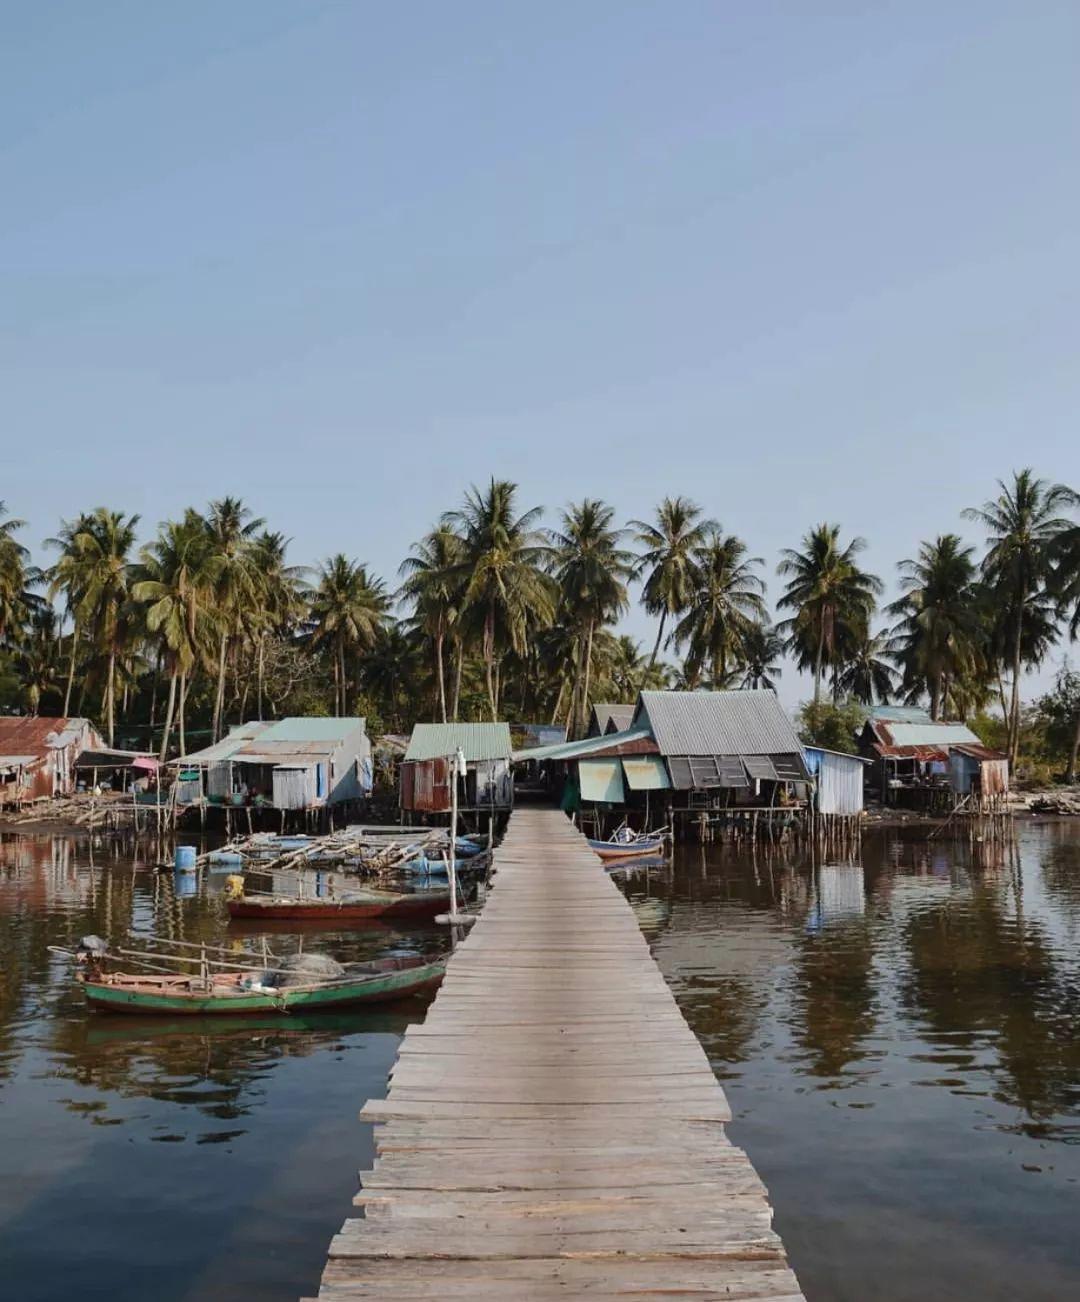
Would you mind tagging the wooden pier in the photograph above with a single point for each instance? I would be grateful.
(553, 1128)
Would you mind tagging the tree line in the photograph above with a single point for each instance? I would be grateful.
(493, 614)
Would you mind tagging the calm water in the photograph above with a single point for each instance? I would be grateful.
(899, 1044)
(898, 1040)
(156, 1158)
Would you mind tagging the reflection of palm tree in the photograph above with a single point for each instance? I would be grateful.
(976, 973)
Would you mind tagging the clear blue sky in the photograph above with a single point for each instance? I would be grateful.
(800, 261)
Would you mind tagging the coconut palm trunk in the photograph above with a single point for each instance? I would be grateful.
(1014, 712)
(110, 695)
(219, 695)
(170, 707)
(584, 705)
(819, 660)
(1075, 751)
(659, 639)
(489, 660)
(440, 674)
(71, 669)
(183, 712)
(459, 669)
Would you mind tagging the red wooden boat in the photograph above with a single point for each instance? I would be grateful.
(353, 906)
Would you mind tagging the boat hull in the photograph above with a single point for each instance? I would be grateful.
(628, 849)
(418, 906)
(399, 983)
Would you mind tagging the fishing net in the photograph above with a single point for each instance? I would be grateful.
(301, 969)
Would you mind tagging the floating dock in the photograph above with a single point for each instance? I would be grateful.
(553, 1128)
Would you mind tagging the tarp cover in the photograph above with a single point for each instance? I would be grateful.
(601, 779)
(645, 773)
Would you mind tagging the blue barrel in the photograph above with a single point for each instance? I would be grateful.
(185, 857)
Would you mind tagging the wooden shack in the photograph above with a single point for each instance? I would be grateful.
(423, 776)
(926, 764)
(38, 755)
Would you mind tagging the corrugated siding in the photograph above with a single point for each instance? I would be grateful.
(601, 780)
(479, 741)
(586, 746)
(646, 773)
(839, 785)
(219, 780)
(718, 723)
(294, 788)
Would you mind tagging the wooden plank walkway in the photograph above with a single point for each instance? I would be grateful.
(553, 1128)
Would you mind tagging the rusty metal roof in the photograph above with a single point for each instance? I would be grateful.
(981, 752)
(901, 740)
(26, 735)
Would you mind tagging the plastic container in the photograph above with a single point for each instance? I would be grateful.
(185, 858)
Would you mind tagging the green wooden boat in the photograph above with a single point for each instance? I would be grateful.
(233, 993)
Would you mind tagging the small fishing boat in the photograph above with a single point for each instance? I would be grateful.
(350, 906)
(283, 989)
(628, 844)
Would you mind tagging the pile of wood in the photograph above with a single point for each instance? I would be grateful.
(353, 850)
(94, 813)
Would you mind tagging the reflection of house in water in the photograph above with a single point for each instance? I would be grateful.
(840, 893)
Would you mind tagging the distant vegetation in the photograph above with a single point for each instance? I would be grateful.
(496, 614)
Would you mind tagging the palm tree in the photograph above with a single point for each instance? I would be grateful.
(36, 657)
(232, 559)
(175, 580)
(940, 636)
(17, 578)
(433, 585)
(591, 569)
(763, 648)
(727, 599)
(862, 672)
(506, 594)
(826, 591)
(281, 605)
(105, 545)
(349, 610)
(69, 576)
(1024, 526)
(667, 564)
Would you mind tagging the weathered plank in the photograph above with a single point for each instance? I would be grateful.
(553, 1129)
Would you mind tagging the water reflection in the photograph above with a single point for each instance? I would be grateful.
(188, 1124)
(898, 1040)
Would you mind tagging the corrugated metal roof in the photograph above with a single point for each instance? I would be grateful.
(479, 741)
(927, 734)
(813, 756)
(900, 713)
(611, 718)
(282, 759)
(718, 723)
(16, 761)
(22, 734)
(586, 746)
(236, 739)
(981, 752)
(311, 728)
